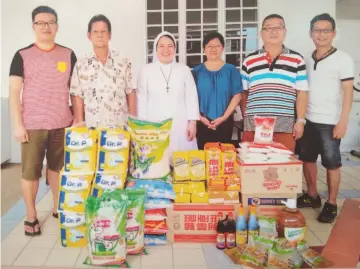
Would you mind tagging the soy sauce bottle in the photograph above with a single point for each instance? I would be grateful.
(220, 232)
(230, 231)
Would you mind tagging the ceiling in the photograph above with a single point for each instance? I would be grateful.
(348, 9)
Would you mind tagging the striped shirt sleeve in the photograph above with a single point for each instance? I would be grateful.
(244, 76)
(301, 82)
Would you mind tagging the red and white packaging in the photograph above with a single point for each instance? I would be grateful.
(155, 214)
(279, 148)
(155, 227)
(264, 129)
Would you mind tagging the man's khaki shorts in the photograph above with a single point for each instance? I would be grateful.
(41, 142)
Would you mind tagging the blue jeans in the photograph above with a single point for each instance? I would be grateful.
(318, 139)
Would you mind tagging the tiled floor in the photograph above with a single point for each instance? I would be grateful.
(45, 251)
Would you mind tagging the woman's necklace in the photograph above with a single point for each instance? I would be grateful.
(167, 80)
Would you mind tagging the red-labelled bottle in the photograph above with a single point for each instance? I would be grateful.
(220, 232)
(230, 231)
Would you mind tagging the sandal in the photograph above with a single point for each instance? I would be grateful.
(55, 215)
(32, 228)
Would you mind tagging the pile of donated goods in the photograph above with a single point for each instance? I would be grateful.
(114, 189)
(277, 243)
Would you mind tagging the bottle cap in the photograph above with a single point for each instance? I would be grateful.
(253, 210)
(290, 203)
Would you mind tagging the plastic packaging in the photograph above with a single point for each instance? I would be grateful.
(213, 159)
(181, 165)
(291, 223)
(113, 154)
(107, 182)
(155, 214)
(154, 188)
(197, 165)
(267, 227)
(135, 221)
(156, 203)
(106, 229)
(155, 227)
(155, 240)
(150, 142)
(264, 129)
(283, 255)
(311, 257)
(228, 159)
(80, 149)
(72, 229)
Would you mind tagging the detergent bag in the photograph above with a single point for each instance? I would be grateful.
(135, 220)
(150, 142)
(106, 229)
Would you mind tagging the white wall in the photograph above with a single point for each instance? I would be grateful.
(127, 18)
(297, 15)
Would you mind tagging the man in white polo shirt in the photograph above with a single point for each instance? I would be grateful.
(330, 75)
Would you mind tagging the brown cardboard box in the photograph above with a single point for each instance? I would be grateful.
(267, 204)
(224, 197)
(270, 178)
(194, 222)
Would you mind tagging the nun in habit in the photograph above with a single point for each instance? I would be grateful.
(166, 89)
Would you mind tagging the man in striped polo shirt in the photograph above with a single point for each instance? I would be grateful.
(41, 73)
(275, 84)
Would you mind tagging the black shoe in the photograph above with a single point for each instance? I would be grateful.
(328, 214)
(308, 201)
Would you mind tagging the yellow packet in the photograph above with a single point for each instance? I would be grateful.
(197, 165)
(182, 198)
(73, 192)
(181, 165)
(200, 198)
(181, 187)
(80, 149)
(114, 145)
(107, 182)
(197, 187)
(72, 230)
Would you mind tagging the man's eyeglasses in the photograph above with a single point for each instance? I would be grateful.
(319, 31)
(273, 29)
(42, 24)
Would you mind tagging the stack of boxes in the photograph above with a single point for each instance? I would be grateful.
(266, 185)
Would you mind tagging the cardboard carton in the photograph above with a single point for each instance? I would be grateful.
(194, 223)
(270, 178)
(224, 197)
(267, 204)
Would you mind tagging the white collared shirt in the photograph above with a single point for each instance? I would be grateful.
(103, 88)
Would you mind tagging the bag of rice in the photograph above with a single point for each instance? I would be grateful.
(150, 148)
(264, 129)
(167, 178)
(156, 203)
(106, 229)
(135, 221)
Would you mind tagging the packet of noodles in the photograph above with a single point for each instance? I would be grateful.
(311, 257)
(284, 256)
(235, 253)
(253, 258)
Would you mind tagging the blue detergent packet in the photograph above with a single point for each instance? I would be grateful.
(155, 239)
(157, 203)
(154, 188)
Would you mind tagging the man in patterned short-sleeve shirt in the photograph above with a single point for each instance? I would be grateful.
(101, 86)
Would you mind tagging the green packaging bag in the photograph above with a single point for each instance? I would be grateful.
(150, 148)
(106, 229)
(135, 221)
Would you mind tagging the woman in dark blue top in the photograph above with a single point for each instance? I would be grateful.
(219, 88)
